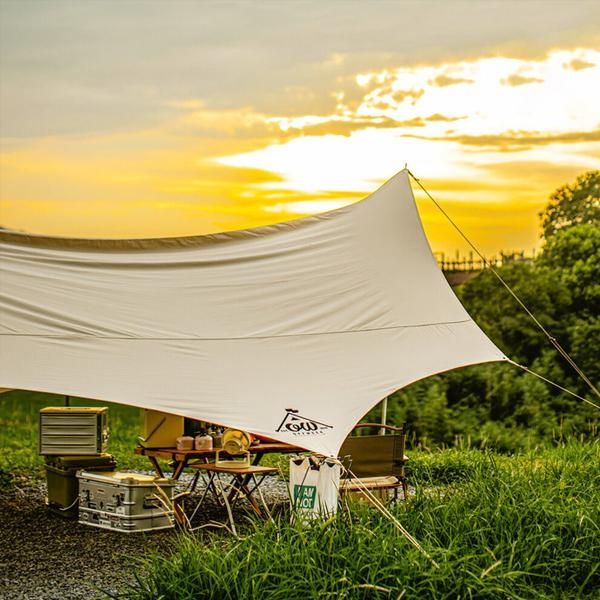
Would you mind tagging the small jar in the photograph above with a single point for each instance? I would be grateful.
(203, 441)
(185, 442)
(217, 436)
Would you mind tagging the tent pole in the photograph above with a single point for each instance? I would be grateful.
(384, 406)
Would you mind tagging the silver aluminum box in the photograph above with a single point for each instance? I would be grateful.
(73, 430)
(125, 502)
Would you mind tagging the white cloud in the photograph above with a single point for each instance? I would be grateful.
(355, 163)
(551, 97)
(475, 100)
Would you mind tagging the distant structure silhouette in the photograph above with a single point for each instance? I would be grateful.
(461, 269)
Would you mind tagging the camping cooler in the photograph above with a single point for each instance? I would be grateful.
(61, 477)
(125, 502)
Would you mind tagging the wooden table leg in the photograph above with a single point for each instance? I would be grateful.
(194, 483)
(179, 467)
(241, 488)
(156, 466)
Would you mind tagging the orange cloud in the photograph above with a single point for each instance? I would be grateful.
(518, 141)
(437, 117)
(445, 80)
(516, 79)
(578, 64)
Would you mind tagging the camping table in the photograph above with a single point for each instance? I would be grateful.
(181, 458)
(244, 481)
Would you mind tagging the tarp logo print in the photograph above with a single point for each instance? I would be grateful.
(296, 424)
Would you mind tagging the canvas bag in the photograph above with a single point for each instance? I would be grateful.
(314, 487)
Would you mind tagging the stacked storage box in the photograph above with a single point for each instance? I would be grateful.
(125, 502)
(73, 430)
(61, 476)
(72, 438)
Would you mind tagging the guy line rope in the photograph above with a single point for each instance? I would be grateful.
(551, 338)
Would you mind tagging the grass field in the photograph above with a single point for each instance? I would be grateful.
(522, 527)
(506, 527)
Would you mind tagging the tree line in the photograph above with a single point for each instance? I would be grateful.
(499, 405)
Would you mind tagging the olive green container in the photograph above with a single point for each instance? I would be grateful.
(63, 485)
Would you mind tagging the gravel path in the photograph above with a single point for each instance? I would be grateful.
(46, 557)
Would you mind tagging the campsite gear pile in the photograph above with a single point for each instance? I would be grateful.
(81, 477)
(88, 487)
(164, 430)
(72, 438)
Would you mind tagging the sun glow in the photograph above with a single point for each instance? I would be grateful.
(491, 137)
(454, 122)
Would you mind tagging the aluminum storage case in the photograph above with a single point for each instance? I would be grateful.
(126, 502)
(73, 430)
(63, 485)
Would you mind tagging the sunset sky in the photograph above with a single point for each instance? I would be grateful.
(144, 119)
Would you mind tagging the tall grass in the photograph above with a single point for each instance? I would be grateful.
(522, 527)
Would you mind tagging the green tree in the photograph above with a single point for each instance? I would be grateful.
(505, 322)
(585, 346)
(497, 404)
(572, 256)
(573, 204)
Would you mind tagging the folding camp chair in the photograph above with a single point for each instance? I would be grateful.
(375, 462)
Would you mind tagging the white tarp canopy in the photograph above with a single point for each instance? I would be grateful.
(291, 331)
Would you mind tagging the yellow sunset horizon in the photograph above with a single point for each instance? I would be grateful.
(490, 131)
